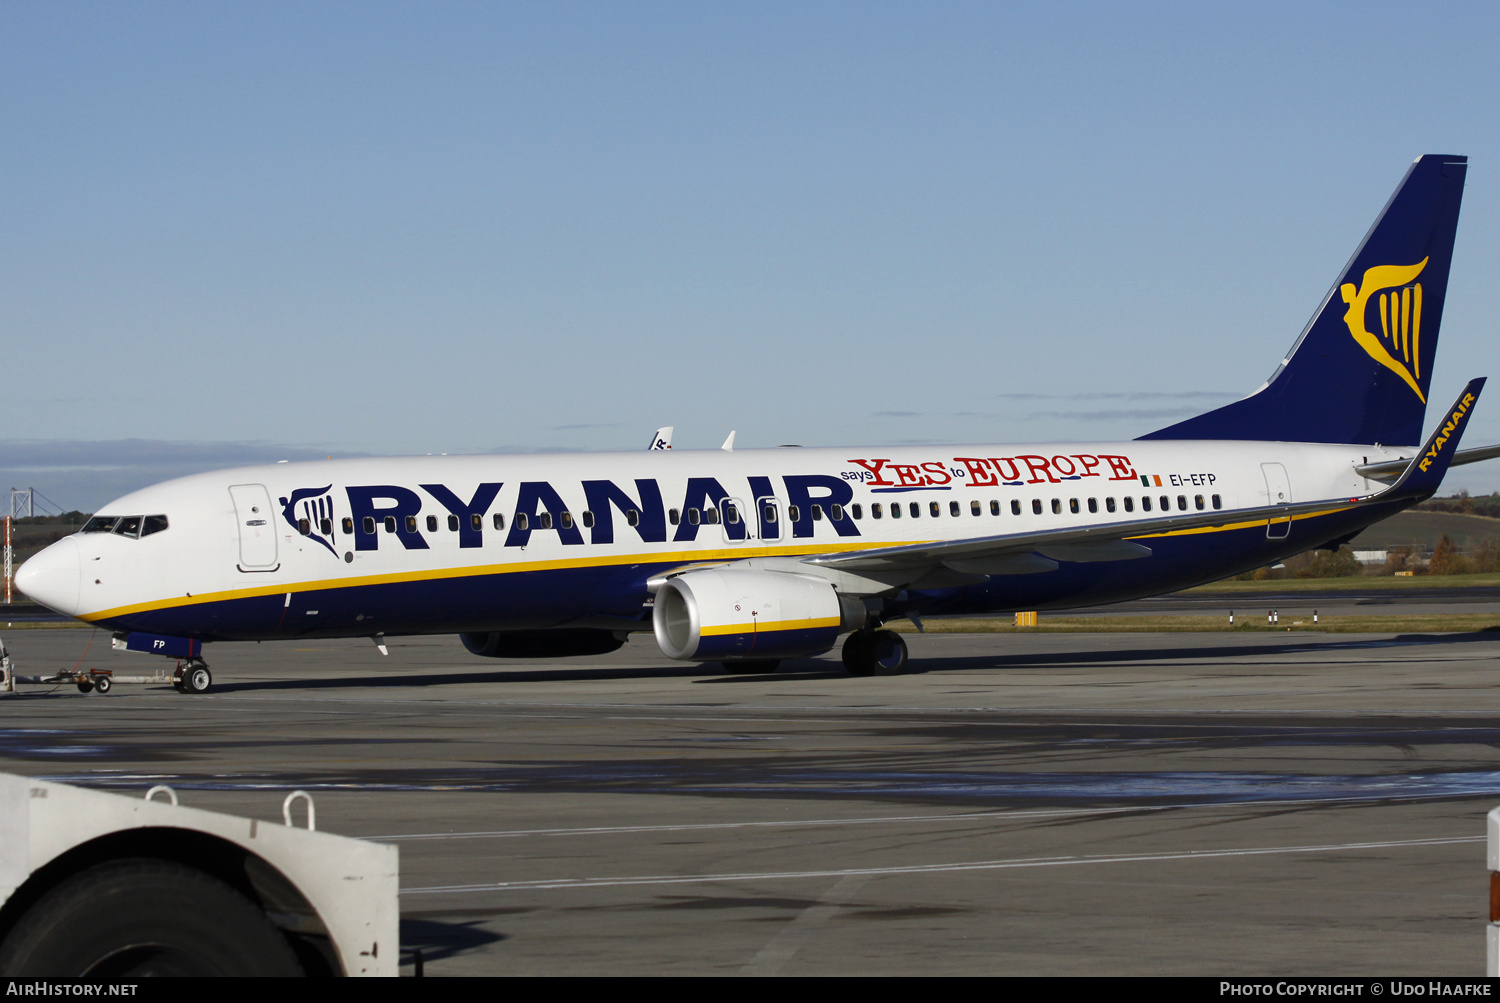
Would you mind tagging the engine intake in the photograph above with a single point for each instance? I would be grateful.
(719, 614)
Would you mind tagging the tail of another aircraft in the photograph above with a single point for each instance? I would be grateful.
(1360, 370)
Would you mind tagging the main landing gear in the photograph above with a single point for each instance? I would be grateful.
(193, 677)
(874, 653)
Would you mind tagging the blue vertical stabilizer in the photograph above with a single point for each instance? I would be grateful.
(1360, 370)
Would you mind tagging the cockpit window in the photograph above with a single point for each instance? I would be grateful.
(132, 526)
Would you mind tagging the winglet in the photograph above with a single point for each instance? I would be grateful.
(1427, 468)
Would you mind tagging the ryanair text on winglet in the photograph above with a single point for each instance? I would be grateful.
(1447, 430)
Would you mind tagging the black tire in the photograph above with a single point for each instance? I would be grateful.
(197, 679)
(103, 684)
(84, 686)
(875, 653)
(889, 654)
(857, 653)
(750, 665)
(138, 917)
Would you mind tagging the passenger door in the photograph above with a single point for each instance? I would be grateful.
(257, 527)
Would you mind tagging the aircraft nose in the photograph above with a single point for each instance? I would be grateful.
(51, 577)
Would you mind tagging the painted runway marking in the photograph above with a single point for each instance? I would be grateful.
(547, 884)
(878, 819)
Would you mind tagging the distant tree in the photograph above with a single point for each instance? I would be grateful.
(1330, 564)
(1397, 559)
(1486, 556)
(1446, 560)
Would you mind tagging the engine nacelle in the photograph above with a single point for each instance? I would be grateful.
(542, 643)
(719, 614)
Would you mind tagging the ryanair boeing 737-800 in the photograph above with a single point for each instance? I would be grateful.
(746, 557)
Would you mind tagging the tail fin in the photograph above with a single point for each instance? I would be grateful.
(1359, 372)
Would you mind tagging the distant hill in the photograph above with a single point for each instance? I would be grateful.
(1423, 529)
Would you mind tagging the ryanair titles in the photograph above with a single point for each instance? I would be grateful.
(756, 508)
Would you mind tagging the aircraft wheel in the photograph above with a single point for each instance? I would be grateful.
(84, 686)
(197, 679)
(889, 653)
(137, 917)
(103, 684)
(875, 653)
(857, 653)
(751, 665)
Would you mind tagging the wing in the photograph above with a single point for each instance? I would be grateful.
(1017, 553)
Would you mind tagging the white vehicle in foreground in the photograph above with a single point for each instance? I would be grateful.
(105, 886)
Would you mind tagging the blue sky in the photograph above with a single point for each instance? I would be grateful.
(240, 231)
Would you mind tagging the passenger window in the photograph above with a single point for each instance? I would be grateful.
(711, 516)
(836, 512)
(1073, 505)
(876, 511)
(369, 525)
(349, 527)
(974, 507)
(1182, 503)
(1093, 504)
(521, 521)
(411, 524)
(588, 519)
(731, 513)
(1198, 502)
(858, 510)
(476, 521)
(452, 524)
(817, 513)
(767, 515)
(566, 518)
(632, 517)
(544, 520)
(304, 526)
(129, 525)
(914, 509)
(793, 512)
(1015, 506)
(1145, 503)
(1217, 503)
(1109, 504)
(432, 523)
(674, 516)
(692, 517)
(158, 523)
(1166, 504)
(1036, 506)
(326, 526)
(895, 510)
(953, 508)
(994, 507)
(499, 521)
(1057, 506)
(1129, 504)
(390, 524)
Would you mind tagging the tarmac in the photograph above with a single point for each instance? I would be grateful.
(1028, 804)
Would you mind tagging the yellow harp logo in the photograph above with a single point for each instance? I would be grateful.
(1398, 348)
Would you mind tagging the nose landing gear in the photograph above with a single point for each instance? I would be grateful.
(193, 677)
